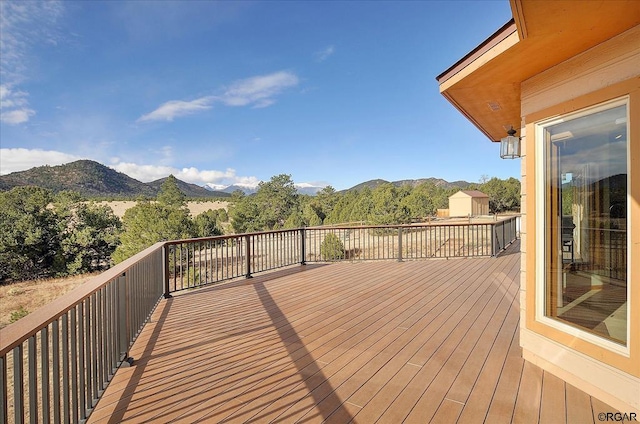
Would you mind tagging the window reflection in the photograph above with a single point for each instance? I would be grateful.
(586, 222)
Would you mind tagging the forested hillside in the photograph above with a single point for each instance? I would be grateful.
(438, 182)
(94, 180)
(84, 176)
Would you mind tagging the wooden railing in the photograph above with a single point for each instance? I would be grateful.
(56, 362)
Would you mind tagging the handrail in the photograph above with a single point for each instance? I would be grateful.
(403, 242)
(75, 344)
(505, 232)
(198, 262)
(26, 327)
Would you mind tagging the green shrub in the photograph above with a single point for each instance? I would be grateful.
(20, 313)
(332, 249)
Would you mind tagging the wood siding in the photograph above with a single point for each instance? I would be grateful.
(605, 72)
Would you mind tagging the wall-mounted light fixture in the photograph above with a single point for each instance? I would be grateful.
(510, 146)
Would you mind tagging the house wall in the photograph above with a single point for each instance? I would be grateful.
(605, 72)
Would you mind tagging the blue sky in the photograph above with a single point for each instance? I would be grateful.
(235, 92)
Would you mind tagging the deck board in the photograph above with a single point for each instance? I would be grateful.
(386, 342)
(504, 401)
(527, 408)
(553, 408)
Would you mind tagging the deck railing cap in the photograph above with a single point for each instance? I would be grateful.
(21, 330)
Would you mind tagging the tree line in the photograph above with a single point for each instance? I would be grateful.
(46, 235)
(276, 204)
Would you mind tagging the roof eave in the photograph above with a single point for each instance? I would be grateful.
(496, 38)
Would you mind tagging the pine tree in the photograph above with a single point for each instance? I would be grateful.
(148, 223)
(29, 239)
(170, 194)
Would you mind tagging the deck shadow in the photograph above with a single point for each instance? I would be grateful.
(139, 367)
(243, 281)
(296, 348)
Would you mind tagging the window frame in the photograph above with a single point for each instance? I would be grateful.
(542, 229)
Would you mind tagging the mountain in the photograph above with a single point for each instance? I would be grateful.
(188, 189)
(370, 184)
(87, 177)
(245, 189)
(92, 179)
(309, 189)
(438, 182)
(303, 188)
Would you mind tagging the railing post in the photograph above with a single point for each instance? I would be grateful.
(303, 241)
(124, 320)
(492, 230)
(247, 241)
(165, 271)
(18, 384)
(33, 379)
(497, 243)
(4, 393)
(399, 244)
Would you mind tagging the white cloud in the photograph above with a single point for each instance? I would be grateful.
(144, 173)
(249, 182)
(174, 108)
(213, 178)
(14, 117)
(14, 106)
(306, 185)
(4, 94)
(324, 54)
(23, 25)
(19, 159)
(259, 91)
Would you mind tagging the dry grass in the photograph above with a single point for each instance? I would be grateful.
(20, 298)
(26, 296)
(196, 208)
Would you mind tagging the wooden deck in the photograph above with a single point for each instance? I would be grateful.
(388, 342)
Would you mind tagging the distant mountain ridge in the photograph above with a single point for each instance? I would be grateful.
(244, 189)
(190, 190)
(92, 179)
(438, 182)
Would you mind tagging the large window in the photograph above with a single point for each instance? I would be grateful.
(585, 231)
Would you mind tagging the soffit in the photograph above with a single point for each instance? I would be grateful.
(485, 84)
